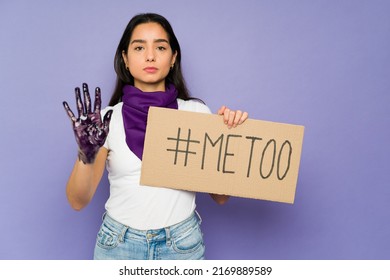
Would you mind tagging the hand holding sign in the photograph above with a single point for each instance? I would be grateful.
(232, 118)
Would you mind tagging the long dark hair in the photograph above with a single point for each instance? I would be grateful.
(124, 77)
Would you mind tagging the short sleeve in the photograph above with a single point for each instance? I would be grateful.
(193, 106)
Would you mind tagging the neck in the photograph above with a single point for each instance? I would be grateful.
(150, 87)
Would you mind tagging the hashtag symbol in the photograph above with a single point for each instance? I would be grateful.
(186, 151)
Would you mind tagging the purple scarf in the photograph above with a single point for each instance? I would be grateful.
(135, 110)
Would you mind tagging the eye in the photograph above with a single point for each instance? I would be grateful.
(161, 48)
(138, 48)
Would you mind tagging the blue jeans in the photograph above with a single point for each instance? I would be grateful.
(182, 241)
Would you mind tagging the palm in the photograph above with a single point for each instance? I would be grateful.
(90, 131)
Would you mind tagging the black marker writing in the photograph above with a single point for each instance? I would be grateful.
(251, 152)
(186, 151)
(273, 159)
(207, 137)
(228, 154)
(269, 156)
(288, 161)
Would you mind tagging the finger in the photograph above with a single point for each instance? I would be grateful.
(226, 113)
(98, 100)
(231, 119)
(237, 118)
(87, 99)
(106, 120)
(243, 118)
(221, 110)
(69, 111)
(79, 103)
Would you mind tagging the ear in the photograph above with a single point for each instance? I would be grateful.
(174, 58)
(124, 57)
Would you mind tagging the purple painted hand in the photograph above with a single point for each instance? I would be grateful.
(89, 129)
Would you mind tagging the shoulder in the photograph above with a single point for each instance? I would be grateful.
(193, 106)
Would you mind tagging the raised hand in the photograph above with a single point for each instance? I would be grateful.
(89, 129)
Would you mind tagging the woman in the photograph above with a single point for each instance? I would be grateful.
(140, 222)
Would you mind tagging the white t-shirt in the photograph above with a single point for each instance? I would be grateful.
(137, 206)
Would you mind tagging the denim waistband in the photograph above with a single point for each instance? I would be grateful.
(165, 233)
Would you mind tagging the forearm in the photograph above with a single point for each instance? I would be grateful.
(79, 187)
(84, 180)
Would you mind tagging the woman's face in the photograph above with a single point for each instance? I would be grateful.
(149, 57)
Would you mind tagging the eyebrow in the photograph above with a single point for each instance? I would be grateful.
(144, 41)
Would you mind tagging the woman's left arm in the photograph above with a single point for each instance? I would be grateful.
(231, 118)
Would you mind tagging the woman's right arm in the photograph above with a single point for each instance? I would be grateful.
(84, 180)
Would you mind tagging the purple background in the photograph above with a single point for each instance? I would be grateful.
(321, 64)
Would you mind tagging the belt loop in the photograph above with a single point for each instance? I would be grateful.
(104, 215)
(200, 218)
(168, 236)
(122, 235)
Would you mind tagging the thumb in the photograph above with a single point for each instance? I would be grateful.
(107, 119)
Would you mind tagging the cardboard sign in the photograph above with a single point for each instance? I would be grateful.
(197, 152)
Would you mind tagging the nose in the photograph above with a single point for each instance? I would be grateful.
(150, 55)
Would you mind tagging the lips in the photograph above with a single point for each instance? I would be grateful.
(150, 69)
